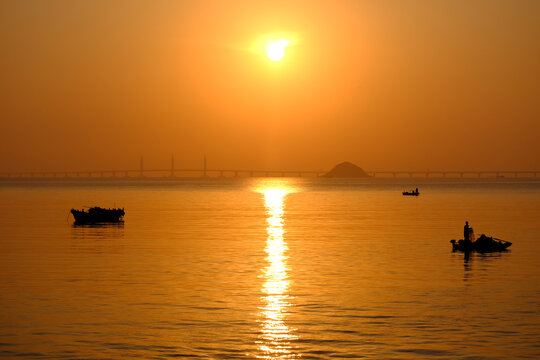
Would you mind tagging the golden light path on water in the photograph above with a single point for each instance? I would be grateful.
(276, 336)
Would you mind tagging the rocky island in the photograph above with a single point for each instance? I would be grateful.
(346, 170)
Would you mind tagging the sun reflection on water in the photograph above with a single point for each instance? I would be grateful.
(276, 336)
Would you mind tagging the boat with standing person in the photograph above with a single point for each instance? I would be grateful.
(412, 192)
(98, 215)
(483, 244)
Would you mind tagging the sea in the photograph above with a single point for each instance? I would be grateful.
(269, 268)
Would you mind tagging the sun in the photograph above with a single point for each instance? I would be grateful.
(275, 50)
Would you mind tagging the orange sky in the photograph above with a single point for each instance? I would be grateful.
(385, 84)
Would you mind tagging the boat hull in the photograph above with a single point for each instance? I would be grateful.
(484, 244)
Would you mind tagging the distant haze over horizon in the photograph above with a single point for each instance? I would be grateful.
(395, 85)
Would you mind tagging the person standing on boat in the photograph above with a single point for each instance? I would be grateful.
(466, 233)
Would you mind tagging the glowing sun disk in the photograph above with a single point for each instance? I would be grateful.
(276, 49)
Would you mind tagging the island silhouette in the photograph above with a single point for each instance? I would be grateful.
(346, 170)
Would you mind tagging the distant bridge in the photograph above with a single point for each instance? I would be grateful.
(456, 174)
(173, 172)
(192, 172)
(162, 173)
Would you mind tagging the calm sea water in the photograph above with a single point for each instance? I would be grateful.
(269, 269)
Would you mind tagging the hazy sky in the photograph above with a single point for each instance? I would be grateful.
(385, 84)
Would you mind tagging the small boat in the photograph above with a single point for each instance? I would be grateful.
(412, 192)
(482, 244)
(98, 215)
